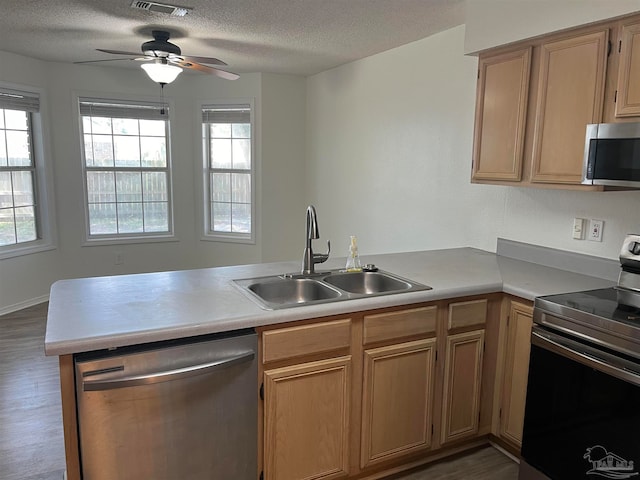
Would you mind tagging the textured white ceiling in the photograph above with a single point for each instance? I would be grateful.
(301, 37)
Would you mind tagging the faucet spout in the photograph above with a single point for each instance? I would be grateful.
(309, 259)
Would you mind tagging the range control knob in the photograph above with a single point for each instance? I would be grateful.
(634, 247)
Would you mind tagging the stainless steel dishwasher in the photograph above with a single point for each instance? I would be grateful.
(171, 410)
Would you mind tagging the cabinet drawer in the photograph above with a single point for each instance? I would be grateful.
(466, 314)
(306, 340)
(404, 323)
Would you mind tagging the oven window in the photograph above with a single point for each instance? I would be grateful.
(579, 423)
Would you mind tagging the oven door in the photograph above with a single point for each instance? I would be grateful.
(582, 415)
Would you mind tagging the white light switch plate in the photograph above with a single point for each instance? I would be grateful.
(578, 228)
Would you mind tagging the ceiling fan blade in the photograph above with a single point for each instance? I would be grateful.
(119, 52)
(107, 60)
(208, 60)
(204, 68)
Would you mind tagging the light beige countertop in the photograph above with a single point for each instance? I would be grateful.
(106, 312)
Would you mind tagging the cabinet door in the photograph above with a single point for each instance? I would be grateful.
(501, 110)
(306, 419)
(628, 96)
(514, 390)
(570, 96)
(397, 400)
(462, 382)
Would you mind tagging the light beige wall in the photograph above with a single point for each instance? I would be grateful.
(389, 148)
(490, 23)
(28, 278)
(282, 169)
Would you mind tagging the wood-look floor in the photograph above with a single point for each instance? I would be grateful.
(31, 439)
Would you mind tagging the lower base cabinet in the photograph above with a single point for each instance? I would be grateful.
(514, 387)
(306, 420)
(397, 400)
(462, 384)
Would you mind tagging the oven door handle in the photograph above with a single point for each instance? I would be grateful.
(586, 355)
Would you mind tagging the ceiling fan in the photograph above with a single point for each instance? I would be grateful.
(168, 61)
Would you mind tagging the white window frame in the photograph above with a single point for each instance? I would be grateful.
(43, 181)
(127, 237)
(207, 232)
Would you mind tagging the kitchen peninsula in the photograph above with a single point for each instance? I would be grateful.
(463, 316)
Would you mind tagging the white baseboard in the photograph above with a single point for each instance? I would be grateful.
(25, 304)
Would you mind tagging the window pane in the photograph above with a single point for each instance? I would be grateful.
(6, 190)
(102, 218)
(127, 151)
(154, 186)
(101, 187)
(220, 154)
(26, 224)
(154, 152)
(220, 130)
(1, 118)
(221, 217)
(16, 120)
(3, 148)
(221, 187)
(7, 227)
(153, 128)
(129, 187)
(242, 154)
(88, 150)
(18, 151)
(156, 217)
(86, 125)
(241, 215)
(102, 151)
(101, 125)
(130, 218)
(23, 189)
(241, 130)
(125, 126)
(241, 187)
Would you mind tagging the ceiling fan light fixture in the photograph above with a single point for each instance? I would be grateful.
(161, 72)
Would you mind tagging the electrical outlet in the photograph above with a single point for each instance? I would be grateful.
(118, 258)
(578, 228)
(596, 229)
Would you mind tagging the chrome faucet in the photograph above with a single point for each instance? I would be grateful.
(310, 259)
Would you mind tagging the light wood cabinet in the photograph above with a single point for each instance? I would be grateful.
(571, 83)
(516, 369)
(534, 101)
(628, 85)
(397, 400)
(501, 109)
(306, 420)
(462, 384)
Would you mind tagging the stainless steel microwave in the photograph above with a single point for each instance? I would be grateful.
(612, 155)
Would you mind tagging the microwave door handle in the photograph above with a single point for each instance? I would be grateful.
(167, 375)
(585, 355)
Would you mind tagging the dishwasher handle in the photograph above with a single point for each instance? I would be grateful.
(586, 355)
(166, 376)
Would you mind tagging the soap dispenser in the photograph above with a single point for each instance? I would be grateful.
(353, 260)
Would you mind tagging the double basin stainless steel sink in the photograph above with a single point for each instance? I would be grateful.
(284, 291)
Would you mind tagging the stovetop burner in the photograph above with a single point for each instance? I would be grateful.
(594, 315)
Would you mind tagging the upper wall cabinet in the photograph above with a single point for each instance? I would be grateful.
(501, 109)
(535, 99)
(628, 91)
(571, 82)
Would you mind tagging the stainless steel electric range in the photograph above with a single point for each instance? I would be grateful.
(582, 415)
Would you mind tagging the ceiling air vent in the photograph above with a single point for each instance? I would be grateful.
(161, 8)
